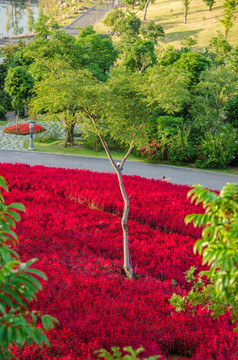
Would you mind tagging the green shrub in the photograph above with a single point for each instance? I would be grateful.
(180, 149)
(112, 17)
(172, 142)
(18, 287)
(231, 111)
(3, 111)
(169, 126)
(219, 150)
(170, 57)
(127, 24)
(117, 355)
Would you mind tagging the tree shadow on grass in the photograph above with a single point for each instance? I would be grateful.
(180, 35)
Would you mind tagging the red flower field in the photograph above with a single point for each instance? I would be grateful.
(72, 225)
(24, 129)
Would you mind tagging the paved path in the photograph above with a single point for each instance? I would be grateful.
(178, 175)
(90, 17)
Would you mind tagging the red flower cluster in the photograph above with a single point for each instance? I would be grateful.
(72, 226)
(23, 129)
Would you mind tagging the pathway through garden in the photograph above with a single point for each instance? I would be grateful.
(178, 175)
(16, 142)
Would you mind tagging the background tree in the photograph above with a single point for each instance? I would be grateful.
(18, 84)
(112, 17)
(18, 287)
(209, 3)
(138, 56)
(152, 31)
(128, 24)
(231, 111)
(189, 42)
(193, 63)
(166, 87)
(217, 85)
(147, 2)
(186, 4)
(89, 51)
(56, 96)
(229, 9)
(221, 47)
(101, 50)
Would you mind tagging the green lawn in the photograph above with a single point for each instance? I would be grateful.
(82, 149)
(2, 122)
(201, 21)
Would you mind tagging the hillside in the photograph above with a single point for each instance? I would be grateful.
(201, 21)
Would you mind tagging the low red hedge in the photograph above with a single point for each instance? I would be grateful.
(23, 129)
(72, 225)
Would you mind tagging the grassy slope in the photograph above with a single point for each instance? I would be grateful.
(202, 22)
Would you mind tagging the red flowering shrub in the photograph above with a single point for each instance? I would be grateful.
(156, 151)
(72, 226)
(24, 129)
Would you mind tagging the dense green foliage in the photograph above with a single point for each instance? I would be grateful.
(216, 287)
(18, 287)
(199, 88)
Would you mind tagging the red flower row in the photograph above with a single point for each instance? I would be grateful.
(80, 250)
(23, 129)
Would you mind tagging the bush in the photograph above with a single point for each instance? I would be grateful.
(173, 151)
(181, 152)
(23, 129)
(231, 111)
(172, 142)
(219, 150)
(112, 17)
(169, 126)
(127, 24)
(3, 111)
(170, 58)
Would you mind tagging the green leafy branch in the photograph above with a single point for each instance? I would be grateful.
(18, 287)
(117, 354)
(216, 288)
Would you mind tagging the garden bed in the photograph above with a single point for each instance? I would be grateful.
(23, 129)
(72, 224)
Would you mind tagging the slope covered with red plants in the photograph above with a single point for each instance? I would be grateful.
(72, 226)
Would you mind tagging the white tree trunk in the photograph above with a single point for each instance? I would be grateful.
(146, 8)
(127, 264)
(17, 120)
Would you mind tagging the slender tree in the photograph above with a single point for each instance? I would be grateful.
(229, 9)
(121, 107)
(186, 4)
(18, 84)
(209, 3)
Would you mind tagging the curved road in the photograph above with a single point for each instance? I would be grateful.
(178, 175)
